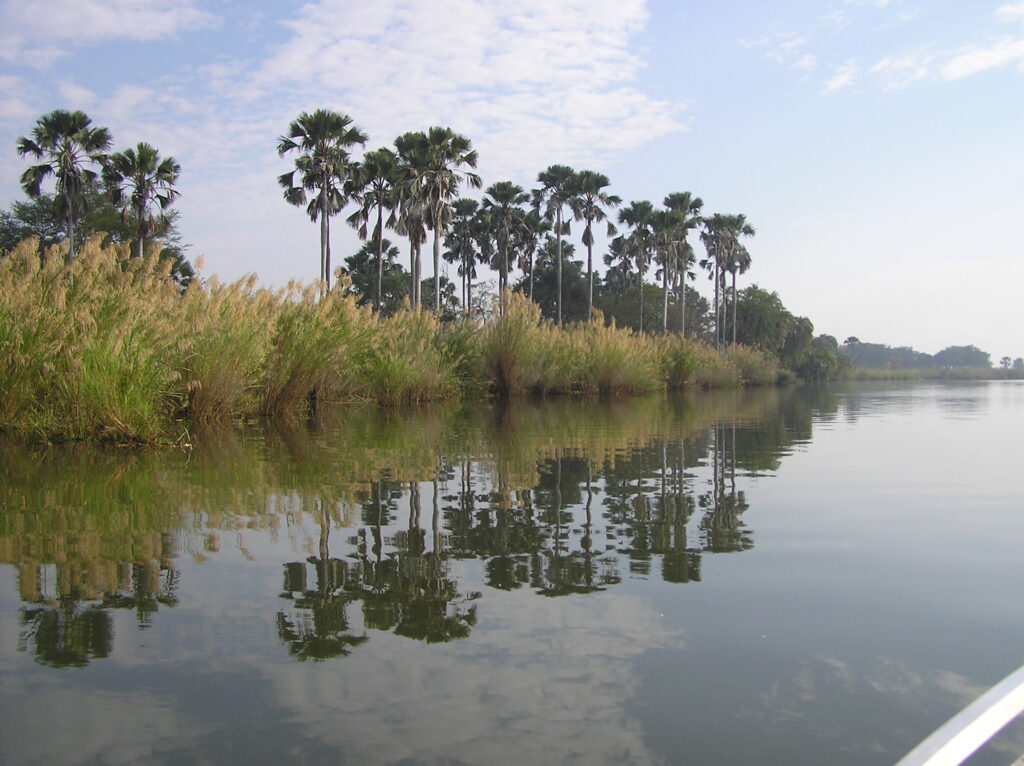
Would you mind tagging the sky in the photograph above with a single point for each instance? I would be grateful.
(877, 146)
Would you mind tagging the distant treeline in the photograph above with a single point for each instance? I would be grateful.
(879, 356)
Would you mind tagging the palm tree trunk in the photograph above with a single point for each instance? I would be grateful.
(682, 302)
(140, 211)
(419, 274)
(717, 313)
(71, 236)
(324, 235)
(590, 278)
(664, 298)
(437, 268)
(640, 286)
(327, 265)
(378, 233)
(503, 277)
(558, 256)
(412, 271)
(734, 308)
(530, 296)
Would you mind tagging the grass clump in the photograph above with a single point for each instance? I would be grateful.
(619, 361)
(753, 366)
(680, 359)
(89, 350)
(512, 346)
(232, 334)
(319, 344)
(406, 360)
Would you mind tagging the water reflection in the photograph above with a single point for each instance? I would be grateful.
(560, 499)
(538, 583)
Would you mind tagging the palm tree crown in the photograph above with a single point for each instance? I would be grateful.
(67, 144)
(322, 140)
(137, 178)
(434, 163)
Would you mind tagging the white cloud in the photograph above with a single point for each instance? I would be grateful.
(556, 77)
(981, 58)
(779, 45)
(1011, 11)
(901, 71)
(75, 95)
(564, 698)
(845, 75)
(38, 32)
(806, 63)
(15, 105)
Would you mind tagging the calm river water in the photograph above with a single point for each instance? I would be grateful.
(797, 576)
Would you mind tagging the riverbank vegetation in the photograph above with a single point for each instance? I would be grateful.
(108, 347)
(107, 334)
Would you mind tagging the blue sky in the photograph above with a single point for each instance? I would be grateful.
(876, 145)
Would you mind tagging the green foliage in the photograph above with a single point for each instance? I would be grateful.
(619, 361)
(680, 359)
(510, 346)
(961, 356)
(763, 321)
(545, 283)
(41, 217)
(882, 357)
(361, 268)
(624, 306)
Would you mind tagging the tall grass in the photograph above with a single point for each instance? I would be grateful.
(89, 347)
(511, 346)
(754, 367)
(318, 346)
(108, 348)
(619, 361)
(406, 360)
(231, 332)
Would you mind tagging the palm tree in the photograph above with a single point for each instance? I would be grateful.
(587, 202)
(637, 246)
(503, 202)
(688, 207)
(137, 178)
(373, 183)
(410, 222)
(721, 240)
(462, 246)
(556, 185)
(67, 145)
(715, 238)
(322, 140)
(685, 259)
(664, 225)
(433, 173)
(534, 231)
